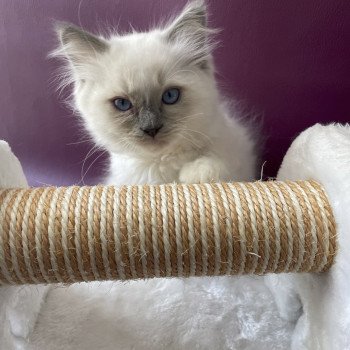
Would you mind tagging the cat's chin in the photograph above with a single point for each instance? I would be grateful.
(153, 145)
(145, 146)
(158, 140)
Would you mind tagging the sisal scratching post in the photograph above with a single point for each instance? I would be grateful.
(72, 234)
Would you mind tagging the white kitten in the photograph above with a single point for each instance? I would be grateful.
(151, 100)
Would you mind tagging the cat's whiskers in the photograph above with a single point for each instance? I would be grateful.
(126, 143)
(91, 151)
(89, 154)
(206, 137)
(90, 165)
(190, 117)
(88, 140)
(190, 132)
(121, 121)
(184, 136)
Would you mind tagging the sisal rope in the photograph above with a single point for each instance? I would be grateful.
(72, 234)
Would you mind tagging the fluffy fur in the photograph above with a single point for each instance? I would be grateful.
(201, 138)
(320, 303)
(19, 305)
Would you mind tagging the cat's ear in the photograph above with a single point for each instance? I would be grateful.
(77, 44)
(190, 29)
(192, 18)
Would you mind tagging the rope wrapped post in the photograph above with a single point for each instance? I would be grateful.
(73, 234)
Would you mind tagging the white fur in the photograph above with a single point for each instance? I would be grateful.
(202, 139)
(19, 305)
(320, 303)
(11, 173)
(195, 313)
(226, 158)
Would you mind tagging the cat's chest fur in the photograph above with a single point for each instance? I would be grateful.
(126, 170)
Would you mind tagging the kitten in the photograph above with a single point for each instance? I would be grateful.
(151, 100)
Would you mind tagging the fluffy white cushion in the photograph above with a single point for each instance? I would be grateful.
(321, 153)
(19, 306)
(207, 313)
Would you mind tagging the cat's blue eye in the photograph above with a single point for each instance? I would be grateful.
(171, 96)
(122, 104)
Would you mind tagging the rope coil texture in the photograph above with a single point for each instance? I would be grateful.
(72, 234)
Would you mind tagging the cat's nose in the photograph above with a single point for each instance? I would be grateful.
(152, 131)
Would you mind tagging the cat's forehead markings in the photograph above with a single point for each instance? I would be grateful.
(145, 98)
(143, 83)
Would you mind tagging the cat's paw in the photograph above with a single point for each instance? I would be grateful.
(201, 170)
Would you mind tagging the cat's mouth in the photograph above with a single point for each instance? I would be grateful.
(155, 142)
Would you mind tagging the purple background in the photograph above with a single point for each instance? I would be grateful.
(287, 61)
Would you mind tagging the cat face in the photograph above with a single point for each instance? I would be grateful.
(144, 92)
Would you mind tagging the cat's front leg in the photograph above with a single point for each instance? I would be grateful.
(202, 169)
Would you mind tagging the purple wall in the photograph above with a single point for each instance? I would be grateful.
(285, 60)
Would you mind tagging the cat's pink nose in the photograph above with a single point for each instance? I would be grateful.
(152, 131)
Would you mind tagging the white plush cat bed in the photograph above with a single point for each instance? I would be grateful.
(203, 313)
